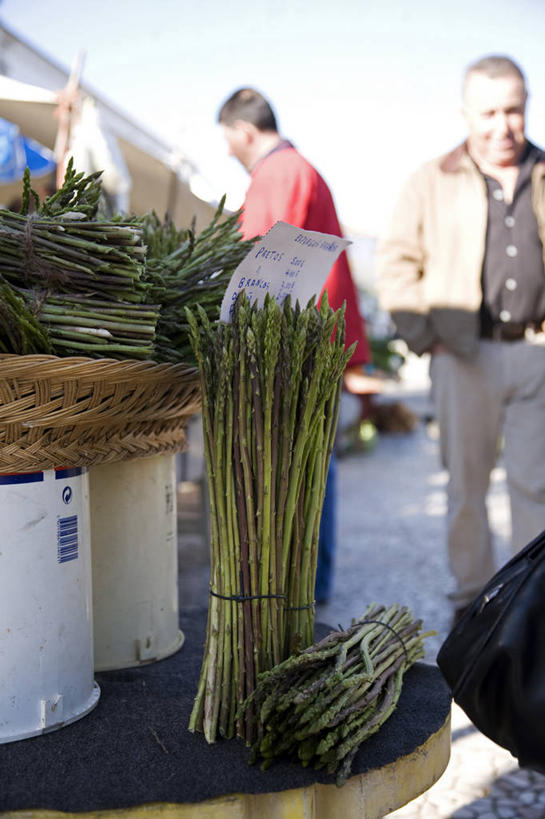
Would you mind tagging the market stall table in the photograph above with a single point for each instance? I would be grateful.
(133, 755)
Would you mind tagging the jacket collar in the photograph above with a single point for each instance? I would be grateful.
(459, 158)
(456, 159)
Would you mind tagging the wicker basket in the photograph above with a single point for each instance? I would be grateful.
(79, 411)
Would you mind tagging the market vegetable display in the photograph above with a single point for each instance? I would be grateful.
(319, 705)
(270, 385)
(73, 282)
(64, 246)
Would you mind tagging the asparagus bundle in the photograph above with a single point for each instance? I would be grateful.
(319, 705)
(79, 325)
(77, 277)
(41, 322)
(62, 246)
(270, 385)
(73, 255)
(184, 269)
(95, 287)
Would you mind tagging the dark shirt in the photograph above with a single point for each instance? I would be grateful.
(513, 278)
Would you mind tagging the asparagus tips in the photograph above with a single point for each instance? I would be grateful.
(270, 390)
(185, 268)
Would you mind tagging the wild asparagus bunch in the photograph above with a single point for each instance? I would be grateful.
(185, 268)
(78, 325)
(75, 276)
(42, 322)
(73, 255)
(63, 246)
(270, 384)
(117, 287)
(319, 705)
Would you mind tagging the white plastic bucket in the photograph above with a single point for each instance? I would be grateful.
(134, 552)
(46, 637)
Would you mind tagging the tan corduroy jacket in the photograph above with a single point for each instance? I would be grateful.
(430, 259)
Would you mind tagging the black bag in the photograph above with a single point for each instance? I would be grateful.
(494, 657)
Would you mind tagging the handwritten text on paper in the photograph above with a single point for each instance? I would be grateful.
(287, 260)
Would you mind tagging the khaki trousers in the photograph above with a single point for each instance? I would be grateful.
(495, 400)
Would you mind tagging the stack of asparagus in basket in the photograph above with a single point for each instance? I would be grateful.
(78, 276)
(73, 282)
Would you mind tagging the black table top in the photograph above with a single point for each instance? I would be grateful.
(135, 747)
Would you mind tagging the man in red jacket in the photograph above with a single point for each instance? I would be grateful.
(285, 187)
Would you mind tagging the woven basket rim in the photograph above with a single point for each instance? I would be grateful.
(82, 410)
(42, 367)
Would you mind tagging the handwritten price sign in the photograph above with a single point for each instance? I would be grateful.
(287, 261)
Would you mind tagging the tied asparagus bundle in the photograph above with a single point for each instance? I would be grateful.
(270, 385)
(116, 287)
(42, 322)
(319, 705)
(70, 282)
(63, 246)
(79, 325)
(184, 268)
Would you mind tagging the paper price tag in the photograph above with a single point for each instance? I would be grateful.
(286, 261)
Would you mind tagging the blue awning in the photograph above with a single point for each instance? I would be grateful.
(17, 152)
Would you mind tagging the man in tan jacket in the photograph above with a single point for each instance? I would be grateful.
(461, 270)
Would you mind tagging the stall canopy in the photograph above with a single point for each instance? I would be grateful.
(156, 177)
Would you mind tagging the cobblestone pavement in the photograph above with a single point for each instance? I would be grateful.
(391, 550)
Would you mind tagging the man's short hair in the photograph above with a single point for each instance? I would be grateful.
(248, 105)
(494, 66)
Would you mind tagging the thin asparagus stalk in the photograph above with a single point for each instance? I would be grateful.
(197, 719)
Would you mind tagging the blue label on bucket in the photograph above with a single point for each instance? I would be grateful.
(69, 472)
(67, 538)
(9, 478)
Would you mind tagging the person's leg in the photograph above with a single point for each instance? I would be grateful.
(524, 440)
(468, 408)
(328, 536)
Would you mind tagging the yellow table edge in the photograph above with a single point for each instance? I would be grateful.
(368, 795)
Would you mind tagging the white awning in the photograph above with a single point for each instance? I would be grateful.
(156, 184)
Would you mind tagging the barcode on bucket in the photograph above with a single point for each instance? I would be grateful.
(67, 538)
